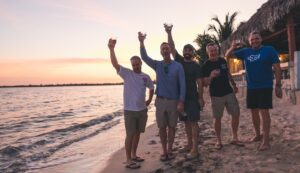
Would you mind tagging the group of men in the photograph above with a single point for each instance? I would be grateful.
(179, 93)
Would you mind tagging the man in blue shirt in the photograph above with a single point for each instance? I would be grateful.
(259, 61)
(170, 94)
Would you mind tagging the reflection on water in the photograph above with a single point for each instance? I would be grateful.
(38, 122)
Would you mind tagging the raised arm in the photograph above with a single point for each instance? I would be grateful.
(278, 90)
(143, 51)
(168, 29)
(113, 58)
(229, 53)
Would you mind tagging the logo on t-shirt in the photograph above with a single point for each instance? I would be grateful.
(253, 58)
(223, 66)
(145, 81)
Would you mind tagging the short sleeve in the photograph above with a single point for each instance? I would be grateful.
(240, 54)
(150, 84)
(274, 56)
(123, 72)
(199, 73)
(205, 71)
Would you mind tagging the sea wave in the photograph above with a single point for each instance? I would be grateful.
(19, 156)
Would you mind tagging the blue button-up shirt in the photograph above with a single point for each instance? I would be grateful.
(170, 77)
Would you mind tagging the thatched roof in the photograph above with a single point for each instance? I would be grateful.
(269, 18)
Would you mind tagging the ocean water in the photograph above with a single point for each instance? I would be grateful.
(41, 127)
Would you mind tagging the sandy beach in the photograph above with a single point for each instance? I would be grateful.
(284, 155)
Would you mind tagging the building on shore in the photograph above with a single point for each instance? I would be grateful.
(278, 21)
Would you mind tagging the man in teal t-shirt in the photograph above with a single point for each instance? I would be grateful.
(259, 61)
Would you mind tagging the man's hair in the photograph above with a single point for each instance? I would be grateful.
(188, 46)
(211, 44)
(254, 33)
(164, 43)
(135, 58)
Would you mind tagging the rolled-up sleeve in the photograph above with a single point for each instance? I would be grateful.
(149, 61)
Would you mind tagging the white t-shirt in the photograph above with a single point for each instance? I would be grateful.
(135, 89)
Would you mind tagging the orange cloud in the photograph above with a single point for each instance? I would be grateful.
(74, 70)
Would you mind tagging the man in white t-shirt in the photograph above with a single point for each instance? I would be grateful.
(135, 106)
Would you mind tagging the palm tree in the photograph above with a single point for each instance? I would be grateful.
(202, 40)
(223, 31)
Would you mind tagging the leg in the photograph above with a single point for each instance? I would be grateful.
(235, 126)
(256, 124)
(218, 105)
(195, 135)
(135, 142)
(163, 139)
(233, 108)
(266, 122)
(188, 130)
(128, 147)
(141, 125)
(217, 126)
(171, 136)
(130, 126)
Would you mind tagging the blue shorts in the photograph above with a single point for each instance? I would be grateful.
(192, 111)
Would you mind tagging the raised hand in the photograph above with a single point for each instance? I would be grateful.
(142, 36)
(215, 73)
(168, 27)
(235, 44)
(111, 43)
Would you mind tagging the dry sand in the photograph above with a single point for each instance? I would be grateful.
(284, 155)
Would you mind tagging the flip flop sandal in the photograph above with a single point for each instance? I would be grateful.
(218, 146)
(237, 143)
(132, 165)
(163, 157)
(138, 159)
(191, 156)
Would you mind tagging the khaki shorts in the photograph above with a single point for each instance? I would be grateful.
(229, 101)
(166, 112)
(135, 121)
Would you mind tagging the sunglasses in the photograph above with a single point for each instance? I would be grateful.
(166, 69)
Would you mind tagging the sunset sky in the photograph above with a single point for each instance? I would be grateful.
(65, 41)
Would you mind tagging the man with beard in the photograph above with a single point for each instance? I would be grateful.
(170, 94)
(216, 75)
(135, 106)
(259, 61)
(193, 100)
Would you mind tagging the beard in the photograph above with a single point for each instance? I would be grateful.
(188, 56)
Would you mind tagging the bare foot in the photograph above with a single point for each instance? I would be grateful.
(255, 139)
(237, 143)
(264, 147)
(218, 146)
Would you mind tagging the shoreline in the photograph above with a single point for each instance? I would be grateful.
(61, 85)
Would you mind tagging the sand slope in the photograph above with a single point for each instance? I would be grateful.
(284, 155)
